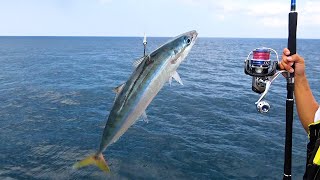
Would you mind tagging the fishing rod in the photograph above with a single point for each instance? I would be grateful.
(292, 46)
(264, 69)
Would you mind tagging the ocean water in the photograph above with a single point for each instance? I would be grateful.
(55, 94)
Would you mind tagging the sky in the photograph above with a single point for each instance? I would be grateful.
(211, 18)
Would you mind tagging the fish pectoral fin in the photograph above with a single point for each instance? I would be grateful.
(144, 117)
(170, 80)
(97, 160)
(176, 77)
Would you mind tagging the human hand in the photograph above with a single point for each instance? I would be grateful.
(287, 61)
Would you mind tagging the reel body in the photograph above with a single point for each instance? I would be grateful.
(258, 84)
(263, 71)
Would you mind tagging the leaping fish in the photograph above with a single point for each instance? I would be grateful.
(133, 97)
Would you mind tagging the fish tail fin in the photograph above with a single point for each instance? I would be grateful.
(97, 160)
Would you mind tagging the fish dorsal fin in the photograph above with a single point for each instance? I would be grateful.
(137, 62)
(176, 77)
(118, 89)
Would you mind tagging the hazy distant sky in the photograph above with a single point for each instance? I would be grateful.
(211, 18)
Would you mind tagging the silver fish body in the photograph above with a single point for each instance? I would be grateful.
(144, 84)
(137, 93)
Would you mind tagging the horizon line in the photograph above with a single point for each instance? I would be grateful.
(129, 36)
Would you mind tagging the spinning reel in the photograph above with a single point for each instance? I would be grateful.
(263, 72)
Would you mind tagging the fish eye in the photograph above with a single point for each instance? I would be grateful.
(188, 41)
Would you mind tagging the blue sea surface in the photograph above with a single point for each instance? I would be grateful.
(56, 92)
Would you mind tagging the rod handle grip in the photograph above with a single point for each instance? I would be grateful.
(292, 39)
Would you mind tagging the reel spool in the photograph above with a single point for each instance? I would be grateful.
(258, 63)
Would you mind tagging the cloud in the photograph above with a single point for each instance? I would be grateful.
(270, 17)
(274, 22)
(271, 14)
(221, 17)
(267, 9)
(229, 8)
(310, 14)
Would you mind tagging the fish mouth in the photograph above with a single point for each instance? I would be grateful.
(194, 34)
